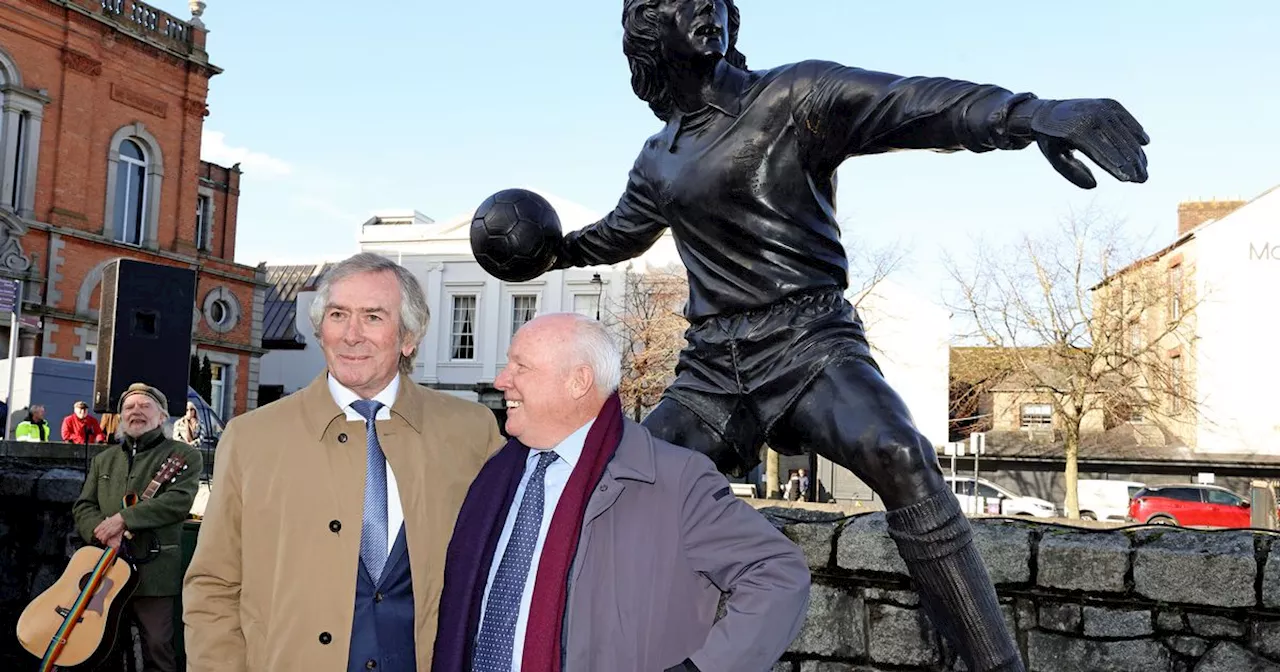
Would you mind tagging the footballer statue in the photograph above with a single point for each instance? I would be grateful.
(743, 173)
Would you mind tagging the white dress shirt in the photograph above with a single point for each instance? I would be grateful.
(343, 398)
(567, 453)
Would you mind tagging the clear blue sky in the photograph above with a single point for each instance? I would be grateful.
(339, 109)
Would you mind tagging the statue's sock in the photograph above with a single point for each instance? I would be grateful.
(935, 540)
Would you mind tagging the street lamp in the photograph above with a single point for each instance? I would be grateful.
(599, 283)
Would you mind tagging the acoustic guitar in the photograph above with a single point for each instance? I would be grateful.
(73, 623)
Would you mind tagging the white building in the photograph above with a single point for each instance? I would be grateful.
(1235, 369)
(910, 340)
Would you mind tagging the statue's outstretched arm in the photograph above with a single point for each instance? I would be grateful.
(625, 233)
(843, 111)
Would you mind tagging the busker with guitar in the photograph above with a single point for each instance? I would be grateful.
(150, 530)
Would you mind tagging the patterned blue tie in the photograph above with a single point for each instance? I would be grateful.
(498, 632)
(373, 533)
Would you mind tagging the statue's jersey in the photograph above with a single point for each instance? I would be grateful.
(747, 183)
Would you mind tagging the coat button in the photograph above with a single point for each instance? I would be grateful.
(604, 488)
(325, 638)
(342, 438)
(371, 664)
(335, 525)
(377, 597)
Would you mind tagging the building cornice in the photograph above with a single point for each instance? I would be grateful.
(151, 27)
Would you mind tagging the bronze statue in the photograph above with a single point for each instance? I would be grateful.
(743, 172)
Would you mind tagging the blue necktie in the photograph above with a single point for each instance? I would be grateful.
(498, 632)
(373, 533)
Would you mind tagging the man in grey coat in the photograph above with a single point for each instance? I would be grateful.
(586, 544)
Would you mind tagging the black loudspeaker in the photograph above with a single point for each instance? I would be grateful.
(144, 332)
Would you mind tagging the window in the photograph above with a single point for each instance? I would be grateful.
(463, 335)
(218, 389)
(987, 491)
(1223, 497)
(204, 223)
(587, 304)
(221, 309)
(21, 112)
(135, 174)
(90, 353)
(1175, 293)
(1037, 416)
(219, 312)
(1135, 337)
(523, 309)
(19, 167)
(130, 194)
(1180, 494)
(1175, 383)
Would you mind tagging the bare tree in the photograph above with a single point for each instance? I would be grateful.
(1072, 318)
(869, 265)
(650, 325)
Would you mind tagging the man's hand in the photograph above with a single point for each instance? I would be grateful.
(1101, 128)
(109, 529)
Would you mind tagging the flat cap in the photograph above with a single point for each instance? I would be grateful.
(143, 388)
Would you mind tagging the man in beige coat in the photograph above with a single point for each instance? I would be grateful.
(314, 554)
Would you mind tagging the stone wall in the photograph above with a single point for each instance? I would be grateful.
(1158, 599)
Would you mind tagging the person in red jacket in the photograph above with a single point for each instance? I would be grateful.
(82, 427)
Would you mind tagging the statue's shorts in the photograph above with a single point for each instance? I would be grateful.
(742, 373)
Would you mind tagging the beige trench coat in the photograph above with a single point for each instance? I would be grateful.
(272, 585)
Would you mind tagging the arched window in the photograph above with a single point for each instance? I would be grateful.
(135, 170)
(131, 194)
(21, 111)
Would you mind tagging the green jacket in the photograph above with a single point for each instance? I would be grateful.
(130, 466)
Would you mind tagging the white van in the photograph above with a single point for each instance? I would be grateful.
(1105, 500)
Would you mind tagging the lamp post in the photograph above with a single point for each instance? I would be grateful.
(599, 283)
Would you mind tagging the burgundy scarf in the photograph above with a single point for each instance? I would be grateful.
(475, 539)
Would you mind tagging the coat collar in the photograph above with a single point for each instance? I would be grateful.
(634, 459)
(320, 411)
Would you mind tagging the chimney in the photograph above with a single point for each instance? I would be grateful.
(1194, 213)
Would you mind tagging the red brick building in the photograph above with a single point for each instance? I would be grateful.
(103, 105)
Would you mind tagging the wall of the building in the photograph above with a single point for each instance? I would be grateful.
(100, 81)
(1237, 369)
(106, 79)
(1007, 406)
(909, 338)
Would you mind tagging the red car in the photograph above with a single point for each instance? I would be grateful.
(1207, 505)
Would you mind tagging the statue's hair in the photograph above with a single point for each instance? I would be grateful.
(642, 44)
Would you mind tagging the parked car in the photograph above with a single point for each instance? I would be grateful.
(1105, 500)
(1189, 504)
(993, 499)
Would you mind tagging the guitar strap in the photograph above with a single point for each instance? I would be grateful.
(77, 610)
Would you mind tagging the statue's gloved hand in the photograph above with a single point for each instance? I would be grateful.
(1099, 127)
